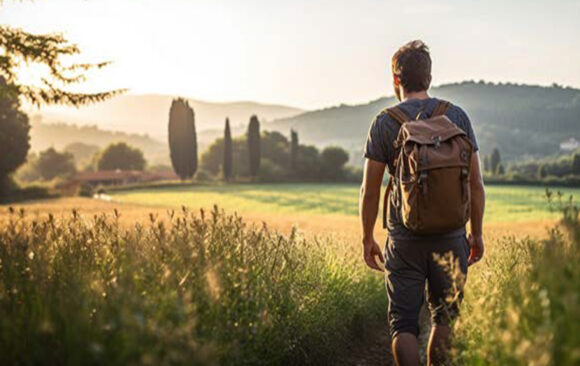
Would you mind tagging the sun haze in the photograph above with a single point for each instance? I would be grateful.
(307, 54)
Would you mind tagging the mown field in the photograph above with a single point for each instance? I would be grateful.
(138, 280)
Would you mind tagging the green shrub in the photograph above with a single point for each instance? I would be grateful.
(184, 289)
(203, 176)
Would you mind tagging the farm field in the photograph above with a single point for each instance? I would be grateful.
(504, 203)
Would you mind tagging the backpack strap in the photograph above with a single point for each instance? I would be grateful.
(398, 115)
(441, 108)
(386, 200)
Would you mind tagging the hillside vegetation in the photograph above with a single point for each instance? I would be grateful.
(518, 119)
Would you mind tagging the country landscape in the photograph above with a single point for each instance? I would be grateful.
(157, 228)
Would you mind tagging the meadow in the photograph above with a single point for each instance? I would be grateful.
(504, 203)
(276, 278)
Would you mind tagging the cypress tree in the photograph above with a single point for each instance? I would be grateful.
(576, 164)
(182, 139)
(254, 145)
(486, 163)
(495, 160)
(228, 153)
(293, 150)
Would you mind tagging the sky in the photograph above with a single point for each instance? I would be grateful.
(304, 53)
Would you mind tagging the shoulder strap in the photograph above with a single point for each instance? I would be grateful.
(398, 115)
(441, 108)
(386, 200)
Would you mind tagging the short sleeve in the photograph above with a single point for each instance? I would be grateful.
(376, 145)
(468, 128)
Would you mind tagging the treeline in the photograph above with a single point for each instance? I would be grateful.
(51, 164)
(564, 170)
(255, 156)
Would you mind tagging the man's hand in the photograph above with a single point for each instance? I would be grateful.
(372, 249)
(477, 249)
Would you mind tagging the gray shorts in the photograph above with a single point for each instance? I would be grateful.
(412, 271)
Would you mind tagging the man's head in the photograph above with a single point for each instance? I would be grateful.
(411, 68)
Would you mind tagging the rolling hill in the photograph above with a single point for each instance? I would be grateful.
(521, 120)
(148, 114)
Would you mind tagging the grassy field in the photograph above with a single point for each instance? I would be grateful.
(121, 289)
(504, 203)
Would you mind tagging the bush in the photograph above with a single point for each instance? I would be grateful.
(203, 176)
(184, 289)
(86, 190)
(271, 172)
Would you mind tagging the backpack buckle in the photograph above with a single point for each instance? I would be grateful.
(437, 141)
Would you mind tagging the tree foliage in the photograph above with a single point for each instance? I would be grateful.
(120, 156)
(254, 145)
(495, 161)
(19, 47)
(51, 164)
(228, 152)
(182, 139)
(333, 159)
(14, 134)
(576, 164)
(486, 163)
(275, 149)
(294, 144)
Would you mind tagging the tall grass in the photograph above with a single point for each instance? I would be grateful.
(522, 304)
(184, 289)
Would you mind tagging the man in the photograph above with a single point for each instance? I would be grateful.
(410, 261)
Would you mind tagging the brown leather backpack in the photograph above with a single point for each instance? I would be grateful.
(431, 179)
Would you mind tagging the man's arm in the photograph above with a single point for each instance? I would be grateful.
(477, 209)
(370, 195)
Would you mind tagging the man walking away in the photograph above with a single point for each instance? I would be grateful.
(435, 187)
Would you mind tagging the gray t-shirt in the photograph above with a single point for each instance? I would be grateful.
(379, 146)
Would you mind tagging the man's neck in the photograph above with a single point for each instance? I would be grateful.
(415, 95)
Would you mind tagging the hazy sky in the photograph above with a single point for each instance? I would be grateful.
(306, 53)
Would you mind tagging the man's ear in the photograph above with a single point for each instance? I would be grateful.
(396, 80)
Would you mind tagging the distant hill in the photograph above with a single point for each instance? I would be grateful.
(521, 120)
(60, 135)
(149, 114)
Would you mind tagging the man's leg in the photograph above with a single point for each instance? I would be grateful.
(439, 345)
(445, 283)
(406, 349)
(405, 277)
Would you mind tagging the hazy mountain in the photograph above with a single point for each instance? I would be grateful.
(519, 119)
(148, 114)
(61, 135)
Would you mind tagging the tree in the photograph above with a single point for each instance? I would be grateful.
(14, 137)
(333, 159)
(500, 169)
(294, 144)
(18, 46)
(542, 171)
(576, 164)
(486, 163)
(82, 153)
(120, 156)
(182, 139)
(254, 145)
(51, 164)
(495, 160)
(228, 152)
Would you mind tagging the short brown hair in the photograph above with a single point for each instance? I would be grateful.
(412, 65)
